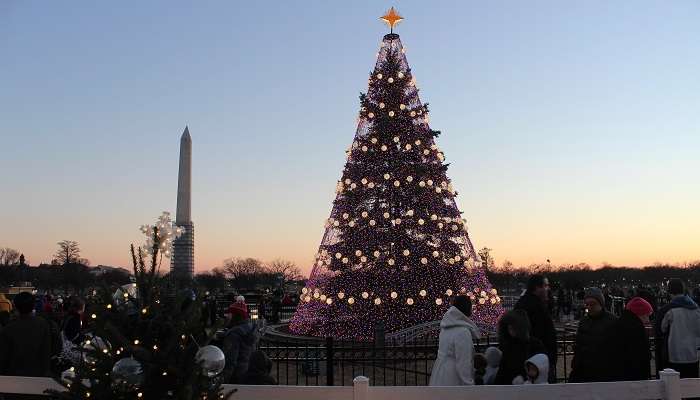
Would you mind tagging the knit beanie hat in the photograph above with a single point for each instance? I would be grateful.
(639, 307)
(596, 294)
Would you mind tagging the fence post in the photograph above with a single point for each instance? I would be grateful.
(360, 388)
(672, 384)
(329, 361)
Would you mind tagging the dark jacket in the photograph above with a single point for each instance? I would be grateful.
(628, 354)
(589, 353)
(516, 350)
(25, 347)
(259, 370)
(238, 344)
(542, 326)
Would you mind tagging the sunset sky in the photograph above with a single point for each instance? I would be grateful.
(572, 129)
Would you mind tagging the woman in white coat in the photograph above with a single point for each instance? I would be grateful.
(455, 359)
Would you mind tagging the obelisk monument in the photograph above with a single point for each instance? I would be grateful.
(183, 247)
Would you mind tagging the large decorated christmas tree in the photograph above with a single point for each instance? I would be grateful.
(396, 248)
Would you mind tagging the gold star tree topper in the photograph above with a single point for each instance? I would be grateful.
(391, 18)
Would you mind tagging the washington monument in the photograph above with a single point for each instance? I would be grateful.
(183, 253)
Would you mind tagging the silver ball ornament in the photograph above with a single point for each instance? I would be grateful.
(212, 360)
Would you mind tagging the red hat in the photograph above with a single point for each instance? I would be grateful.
(639, 307)
(238, 309)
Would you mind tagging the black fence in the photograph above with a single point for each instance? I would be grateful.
(337, 363)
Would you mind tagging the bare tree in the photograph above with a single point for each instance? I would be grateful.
(68, 253)
(486, 259)
(9, 256)
(239, 267)
(288, 270)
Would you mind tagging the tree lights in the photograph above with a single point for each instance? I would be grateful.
(397, 249)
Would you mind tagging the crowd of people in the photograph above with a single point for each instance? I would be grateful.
(607, 348)
(41, 339)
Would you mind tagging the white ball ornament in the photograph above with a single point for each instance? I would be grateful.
(423, 293)
(211, 359)
(384, 148)
(364, 214)
(436, 254)
(402, 106)
(406, 252)
(386, 215)
(371, 115)
(372, 222)
(448, 292)
(408, 146)
(336, 223)
(364, 149)
(391, 113)
(438, 190)
(421, 221)
(363, 259)
(397, 221)
(390, 80)
(413, 114)
(409, 301)
(323, 297)
(451, 261)
(374, 140)
(377, 301)
(364, 181)
(379, 76)
(351, 300)
(345, 260)
(426, 152)
(397, 183)
(365, 295)
(409, 213)
(387, 176)
(440, 225)
(396, 139)
(394, 295)
(421, 184)
(457, 258)
(391, 261)
(430, 182)
(438, 301)
(400, 75)
(424, 261)
(338, 256)
(418, 142)
(358, 253)
(409, 178)
(455, 227)
(381, 105)
(376, 253)
(433, 217)
(346, 215)
(351, 224)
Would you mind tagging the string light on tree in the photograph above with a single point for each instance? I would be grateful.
(398, 226)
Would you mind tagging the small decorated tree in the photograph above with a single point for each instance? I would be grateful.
(145, 340)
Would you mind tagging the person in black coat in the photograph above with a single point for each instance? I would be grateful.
(259, 370)
(516, 344)
(593, 329)
(25, 343)
(533, 302)
(629, 355)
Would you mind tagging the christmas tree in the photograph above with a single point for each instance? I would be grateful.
(396, 248)
(146, 340)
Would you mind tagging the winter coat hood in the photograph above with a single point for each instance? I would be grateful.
(684, 301)
(246, 333)
(493, 356)
(456, 319)
(541, 361)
